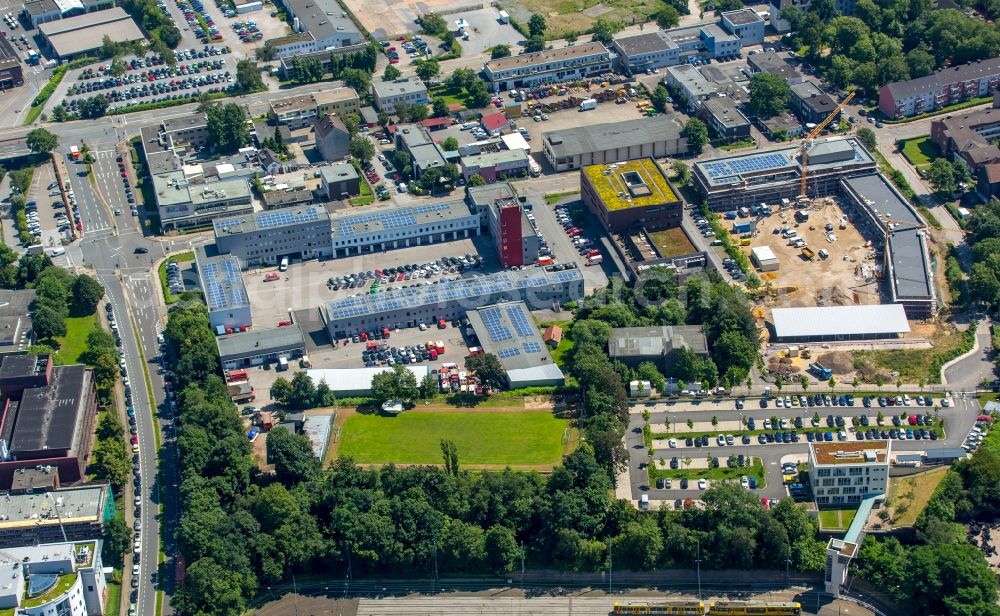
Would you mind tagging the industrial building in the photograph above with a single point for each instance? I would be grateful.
(494, 166)
(385, 228)
(265, 237)
(660, 345)
(303, 110)
(351, 382)
(16, 307)
(549, 66)
(539, 288)
(387, 94)
(48, 418)
(225, 293)
(507, 331)
(764, 259)
(35, 512)
(260, 346)
(767, 176)
(947, 86)
(64, 579)
(845, 473)
(826, 323)
(319, 25)
(630, 195)
(78, 36)
(11, 70)
(601, 144)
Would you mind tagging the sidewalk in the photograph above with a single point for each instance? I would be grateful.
(7, 223)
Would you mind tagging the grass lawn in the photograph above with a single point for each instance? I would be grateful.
(722, 473)
(832, 519)
(909, 495)
(114, 599)
(553, 198)
(920, 151)
(183, 257)
(671, 242)
(915, 366)
(366, 197)
(563, 16)
(482, 437)
(74, 343)
(738, 145)
(451, 96)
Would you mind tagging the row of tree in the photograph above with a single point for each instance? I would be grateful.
(984, 277)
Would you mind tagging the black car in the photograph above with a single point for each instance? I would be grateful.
(763, 403)
(660, 483)
(684, 484)
(141, 250)
(673, 462)
(689, 442)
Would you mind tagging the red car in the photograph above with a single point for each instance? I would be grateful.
(393, 60)
(135, 440)
(765, 502)
(912, 419)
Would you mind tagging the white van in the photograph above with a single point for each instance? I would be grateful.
(644, 501)
(57, 252)
(284, 264)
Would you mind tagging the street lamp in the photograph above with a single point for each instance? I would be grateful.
(698, 563)
(787, 578)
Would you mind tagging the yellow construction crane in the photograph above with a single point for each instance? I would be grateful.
(804, 153)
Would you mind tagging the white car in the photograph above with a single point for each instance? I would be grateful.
(767, 424)
(135, 569)
(945, 402)
(673, 443)
(702, 484)
(721, 441)
(745, 482)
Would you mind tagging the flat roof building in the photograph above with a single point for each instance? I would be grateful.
(776, 64)
(320, 25)
(724, 119)
(345, 382)
(745, 24)
(16, 307)
(944, 87)
(494, 166)
(260, 346)
(847, 472)
(692, 87)
(822, 323)
(186, 204)
(299, 111)
(600, 144)
(339, 180)
(416, 141)
(42, 515)
(660, 345)
(11, 72)
(55, 578)
(811, 104)
(647, 51)
(387, 227)
(514, 236)
(548, 66)
(265, 237)
(387, 94)
(764, 258)
(80, 35)
(225, 292)
(539, 288)
(630, 195)
(508, 331)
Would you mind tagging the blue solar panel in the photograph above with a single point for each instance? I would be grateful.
(520, 321)
(281, 218)
(532, 347)
(727, 169)
(223, 285)
(389, 219)
(567, 276)
(498, 332)
(509, 352)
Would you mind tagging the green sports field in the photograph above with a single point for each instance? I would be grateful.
(482, 438)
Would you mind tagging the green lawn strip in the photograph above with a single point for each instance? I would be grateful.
(738, 145)
(553, 198)
(74, 343)
(182, 257)
(149, 381)
(113, 607)
(929, 217)
(482, 438)
(830, 519)
(919, 150)
(755, 470)
(38, 104)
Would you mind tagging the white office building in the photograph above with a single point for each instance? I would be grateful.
(549, 66)
(385, 228)
(53, 579)
(845, 473)
(225, 293)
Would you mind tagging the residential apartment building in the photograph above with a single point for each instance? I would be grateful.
(947, 86)
(333, 139)
(225, 292)
(969, 136)
(385, 228)
(387, 94)
(300, 111)
(319, 25)
(811, 104)
(845, 473)
(777, 64)
(725, 121)
(598, 144)
(261, 238)
(549, 66)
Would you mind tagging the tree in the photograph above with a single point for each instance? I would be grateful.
(571, 37)
(303, 392)
(779, 382)
(41, 141)
(500, 51)
(434, 24)
(227, 127)
(93, 107)
(682, 173)
(668, 17)
(534, 44)
(696, 134)
(356, 78)
(489, 371)
(715, 421)
(502, 550)
(428, 386)
(169, 35)
(867, 138)
(292, 456)
(281, 391)
(48, 323)
(804, 382)
(476, 180)
(117, 541)
(449, 144)
(449, 451)
(428, 69)
(391, 73)
(361, 148)
(832, 382)
(248, 77)
(659, 98)
(396, 384)
(86, 293)
(941, 176)
(439, 108)
(604, 30)
(768, 94)
(920, 62)
(536, 25)
(108, 48)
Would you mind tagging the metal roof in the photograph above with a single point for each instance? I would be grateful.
(839, 320)
(910, 264)
(649, 42)
(259, 342)
(655, 341)
(508, 331)
(51, 417)
(611, 136)
(357, 379)
(547, 56)
(890, 207)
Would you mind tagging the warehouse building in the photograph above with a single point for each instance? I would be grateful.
(260, 346)
(630, 195)
(11, 71)
(508, 331)
(660, 345)
(49, 417)
(601, 144)
(79, 36)
(16, 307)
(764, 258)
(36, 512)
(549, 66)
(225, 293)
(407, 307)
(353, 382)
(743, 180)
(826, 323)
(385, 228)
(258, 238)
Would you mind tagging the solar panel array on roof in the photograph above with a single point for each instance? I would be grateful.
(497, 331)
(532, 347)
(566, 276)
(390, 219)
(718, 169)
(520, 321)
(223, 285)
(281, 218)
(509, 352)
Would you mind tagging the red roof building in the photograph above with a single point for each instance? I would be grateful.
(433, 124)
(494, 123)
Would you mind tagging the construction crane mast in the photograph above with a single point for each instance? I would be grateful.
(804, 152)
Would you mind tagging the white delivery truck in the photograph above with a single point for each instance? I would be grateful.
(588, 104)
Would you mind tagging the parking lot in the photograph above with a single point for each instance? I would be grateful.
(45, 210)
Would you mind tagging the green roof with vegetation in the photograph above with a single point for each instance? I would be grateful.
(634, 183)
